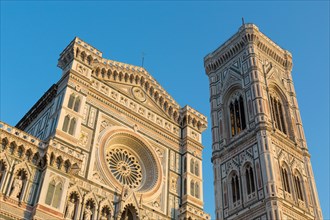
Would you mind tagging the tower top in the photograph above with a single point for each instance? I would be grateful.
(247, 34)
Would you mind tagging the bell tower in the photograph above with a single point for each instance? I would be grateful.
(261, 163)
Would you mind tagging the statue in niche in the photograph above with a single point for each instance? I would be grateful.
(70, 209)
(88, 213)
(16, 187)
(104, 216)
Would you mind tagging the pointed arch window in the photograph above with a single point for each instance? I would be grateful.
(235, 188)
(192, 188)
(249, 178)
(66, 123)
(54, 194)
(50, 192)
(72, 126)
(196, 168)
(69, 125)
(74, 102)
(298, 188)
(192, 165)
(278, 115)
(237, 116)
(285, 180)
(71, 101)
(197, 190)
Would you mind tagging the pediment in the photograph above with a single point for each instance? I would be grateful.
(135, 89)
(137, 94)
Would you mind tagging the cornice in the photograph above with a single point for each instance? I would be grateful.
(247, 34)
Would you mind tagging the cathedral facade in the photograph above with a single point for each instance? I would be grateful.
(105, 142)
(261, 163)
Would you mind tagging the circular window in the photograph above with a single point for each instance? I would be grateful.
(124, 167)
(128, 160)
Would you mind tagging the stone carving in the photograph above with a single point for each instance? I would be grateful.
(150, 116)
(88, 213)
(104, 90)
(132, 105)
(139, 94)
(17, 187)
(81, 69)
(114, 95)
(83, 138)
(141, 111)
(123, 100)
(194, 135)
(125, 167)
(70, 209)
(159, 121)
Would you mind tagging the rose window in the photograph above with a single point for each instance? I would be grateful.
(124, 167)
(127, 160)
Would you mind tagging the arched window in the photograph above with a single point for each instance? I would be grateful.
(58, 162)
(277, 113)
(237, 116)
(67, 166)
(298, 188)
(72, 126)
(192, 165)
(196, 168)
(192, 188)
(235, 188)
(249, 178)
(69, 125)
(66, 123)
(50, 192)
(51, 159)
(57, 195)
(71, 101)
(54, 194)
(285, 180)
(76, 104)
(197, 190)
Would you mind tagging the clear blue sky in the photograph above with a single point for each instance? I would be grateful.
(175, 37)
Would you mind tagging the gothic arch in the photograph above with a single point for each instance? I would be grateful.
(129, 212)
(235, 110)
(286, 175)
(22, 166)
(249, 174)
(234, 184)
(75, 190)
(4, 143)
(299, 185)
(280, 110)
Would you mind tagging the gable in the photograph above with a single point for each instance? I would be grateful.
(138, 86)
(138, 94)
